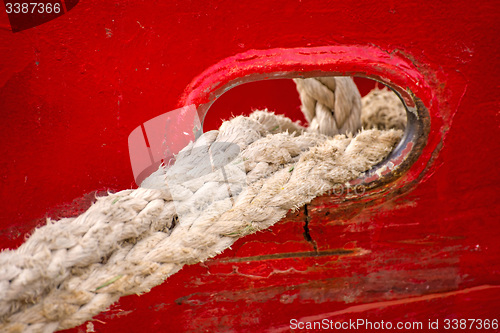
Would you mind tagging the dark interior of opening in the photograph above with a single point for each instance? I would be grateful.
(279, 96)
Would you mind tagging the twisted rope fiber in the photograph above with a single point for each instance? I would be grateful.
(128, 242)
(331, 105)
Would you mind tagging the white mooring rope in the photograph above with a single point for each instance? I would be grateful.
(259, 168)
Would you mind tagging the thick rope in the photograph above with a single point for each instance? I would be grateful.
(128, 242)
(331, 105)
(383, 110)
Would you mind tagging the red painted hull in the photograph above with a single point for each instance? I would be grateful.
(424, 248)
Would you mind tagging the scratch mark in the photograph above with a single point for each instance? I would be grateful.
(336, 252)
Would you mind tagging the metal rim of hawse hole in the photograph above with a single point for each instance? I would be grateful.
(409, 148)
(399, 160)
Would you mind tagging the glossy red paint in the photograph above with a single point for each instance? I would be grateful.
(424, 247)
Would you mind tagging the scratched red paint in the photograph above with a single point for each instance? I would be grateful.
(72, 89)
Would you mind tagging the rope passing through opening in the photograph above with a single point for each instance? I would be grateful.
(231, 182)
